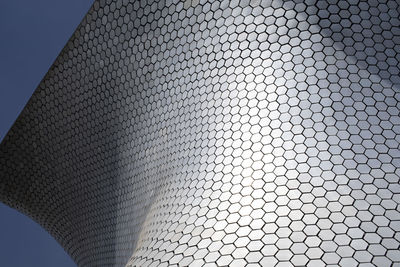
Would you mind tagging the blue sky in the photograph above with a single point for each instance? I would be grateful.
(32, 35)
(24, 243)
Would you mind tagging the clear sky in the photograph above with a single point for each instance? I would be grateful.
(24, 243)
(32, 34)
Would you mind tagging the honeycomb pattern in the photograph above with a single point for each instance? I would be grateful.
(217, 133)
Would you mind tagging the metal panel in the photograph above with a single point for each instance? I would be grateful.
(215, 133)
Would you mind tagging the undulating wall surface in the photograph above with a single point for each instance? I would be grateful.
(214, 133)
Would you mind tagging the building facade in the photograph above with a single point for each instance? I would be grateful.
(217, 133)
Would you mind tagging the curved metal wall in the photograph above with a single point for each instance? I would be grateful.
(215, 133)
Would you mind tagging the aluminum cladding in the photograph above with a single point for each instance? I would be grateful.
(216, 133)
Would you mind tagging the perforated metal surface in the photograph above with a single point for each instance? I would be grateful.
(240, 133)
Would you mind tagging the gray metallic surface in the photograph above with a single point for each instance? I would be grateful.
(215, 133)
